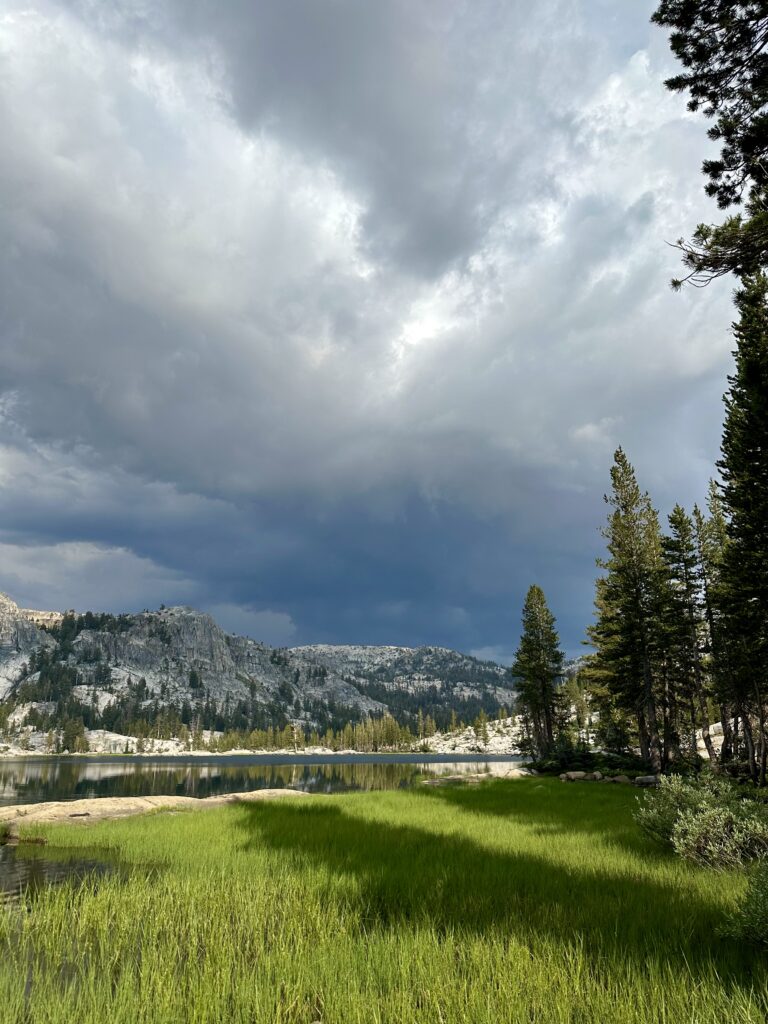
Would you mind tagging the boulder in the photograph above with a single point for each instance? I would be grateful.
(574, 776)
(646, 780)
(620, 778)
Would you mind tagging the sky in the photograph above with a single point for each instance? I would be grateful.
(326, 317)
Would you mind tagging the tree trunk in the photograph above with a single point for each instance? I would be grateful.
(750, 744)
(727, 749)
(651, 719)
(711, 753)
(671, 752)
(736, 734)
(698, 679)
(549, 731)
(538, 734)
(642, 732)
(762, 751)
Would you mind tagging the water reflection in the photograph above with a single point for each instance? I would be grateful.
(33, 780)
(25, 870)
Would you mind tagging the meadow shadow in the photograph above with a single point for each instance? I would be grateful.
(409, 877)
(553, 808)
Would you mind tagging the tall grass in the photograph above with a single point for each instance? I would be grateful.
(523, 901)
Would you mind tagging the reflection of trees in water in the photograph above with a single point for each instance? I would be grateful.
(28, 871)
(65, 779)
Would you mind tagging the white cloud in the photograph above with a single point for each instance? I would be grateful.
(87, 576)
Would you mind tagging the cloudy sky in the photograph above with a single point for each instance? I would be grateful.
(327, 316)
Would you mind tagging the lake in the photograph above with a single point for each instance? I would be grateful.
(38, 779)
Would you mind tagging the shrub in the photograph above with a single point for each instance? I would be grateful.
(750, 923)
(707, 820)
(721, 837)
(591, 761)
(658, 811)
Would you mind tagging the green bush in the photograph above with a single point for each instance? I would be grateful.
(721, 837)
(659, 811)
(591, 761)
(751, 921)
(708, 820)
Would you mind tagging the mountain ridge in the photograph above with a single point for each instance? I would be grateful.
(110, 670)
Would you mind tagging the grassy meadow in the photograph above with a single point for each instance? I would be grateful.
(524, 900)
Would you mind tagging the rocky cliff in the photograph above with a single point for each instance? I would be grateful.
(19, 637)
(180, 658)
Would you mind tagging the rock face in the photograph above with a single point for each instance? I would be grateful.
(178, 651)
(19, 637)
(43, 619)
(413, 669)
(18, 634)
(181, 656)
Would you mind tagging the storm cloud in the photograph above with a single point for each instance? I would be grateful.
(328, 316)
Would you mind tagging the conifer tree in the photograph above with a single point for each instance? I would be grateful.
(711, 540)
(538, 668)
(481, 728)
(721, 45)
(629, 603)
(685, 626)
(744, 469)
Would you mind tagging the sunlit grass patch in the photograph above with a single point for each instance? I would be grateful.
(512, 901)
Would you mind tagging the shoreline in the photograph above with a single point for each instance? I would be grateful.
(282, 756)
(91, 809)
(107, 808)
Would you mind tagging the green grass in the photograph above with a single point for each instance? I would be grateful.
(527, 901)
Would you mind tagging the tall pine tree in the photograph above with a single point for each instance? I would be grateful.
(711, 532)
(744, 469)
(538, 669)
(686, 629)
(629, 606)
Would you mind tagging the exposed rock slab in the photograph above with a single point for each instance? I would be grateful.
(103, 808)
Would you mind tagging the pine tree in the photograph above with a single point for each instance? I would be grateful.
(686, 627)
(481, 728)
(629, 603)
(711, 540)
(744, 469)
(721, 46)
(538, 668)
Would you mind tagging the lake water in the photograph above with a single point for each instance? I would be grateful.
(26, 869)
(38, 779)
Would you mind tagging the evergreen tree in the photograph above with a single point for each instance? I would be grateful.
(629, 604)
(686, 628)
(481, 728)
(722, 47)
(711, 539)
(744, 469)
(538, 668)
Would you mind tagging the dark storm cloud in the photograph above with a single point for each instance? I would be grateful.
(327, 316)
